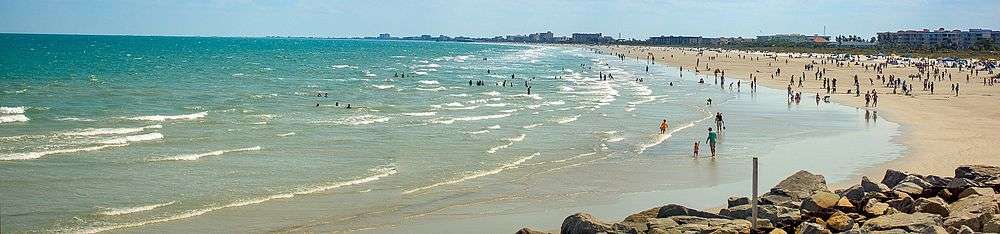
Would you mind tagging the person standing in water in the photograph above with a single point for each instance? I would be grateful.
(664, 126)
(696, 146)
(712, 138)
(718, 121)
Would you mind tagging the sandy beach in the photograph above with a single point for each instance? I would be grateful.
(941, 131)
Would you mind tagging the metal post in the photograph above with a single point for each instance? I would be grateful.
(753, 202)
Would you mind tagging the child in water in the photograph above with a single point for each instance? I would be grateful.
(663, 127)
(696, 149)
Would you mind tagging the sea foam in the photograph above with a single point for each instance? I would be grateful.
(192, 157)
(171, 117)
(474, 175)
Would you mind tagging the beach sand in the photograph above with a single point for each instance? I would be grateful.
(941, 131)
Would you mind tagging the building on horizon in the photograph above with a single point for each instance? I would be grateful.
(795, 38)
(940, 38)
(384, 36)
(586, 38)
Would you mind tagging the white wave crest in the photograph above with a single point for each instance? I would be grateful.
(34, 155)
(129, 210)
(429, 82)
(474, 175)
(13, 118)
(133, 138)
(566, 120)
(11, 110)
(192, 157)
(380, 173)
(484, 117)
(383, 86)
(109, 131)
(171, 117)
(420, 114)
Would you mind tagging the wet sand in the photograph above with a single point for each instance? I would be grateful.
(941, 131)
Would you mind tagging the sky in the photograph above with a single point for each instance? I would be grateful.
(479, 18)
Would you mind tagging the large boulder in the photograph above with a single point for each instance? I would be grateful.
(778, 215)
(661, 224)
(933, 205)
(839, 222)
(811, 228)
(959, 184)
(975, 191)
(583, 223)
(978, 173)
(971, 211)
(893, 177)
(916, 222)
(800, 185)
(875, 208)
(919, 181)
(992, 225)
(870, 186)
(904, 204)
(856, 194)
(529, 231)
(709, 225)
(676, 210)
(820, 201)
(909, 188)
(737, 201)
(641, 217)
(937, 181)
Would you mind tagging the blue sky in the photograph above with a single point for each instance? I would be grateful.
(348, 18)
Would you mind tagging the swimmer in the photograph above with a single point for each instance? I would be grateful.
(664, 126)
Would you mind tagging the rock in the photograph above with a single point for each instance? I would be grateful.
(820, 201)
(800, 185)
(529, 231)
(992, 225)
(893, 177)
(937, 181)
(583, 223)
(959, 184)
(661, 224)
(738, 201)
(971, 211)
(976, 191)
(839, 222)
(845, 205)
(777, 231)
(675, 210)
(710, 225)
(978, 173)
(915, 222)
(966, 230)
(870, 186)
(778, 199)
(933, 205)
(811, 228)
(916, 180)
(904, 205)
(641, 217)
(685, 219)
(945, 194)
(778, 215)
(910, 188)
(875, 208)
(935, 230)
(855, 194)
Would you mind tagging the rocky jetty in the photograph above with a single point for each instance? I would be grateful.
(802, 203)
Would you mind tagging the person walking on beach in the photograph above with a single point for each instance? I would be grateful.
(696, 146)
(712, 138)
(664, 126)
(718, 121)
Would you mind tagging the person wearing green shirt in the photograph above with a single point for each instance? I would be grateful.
(712, 138)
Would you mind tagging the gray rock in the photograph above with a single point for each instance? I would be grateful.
(978, 173)
(811, 228)
(937, 181)
(893, 177)
(529, 231)
(966, 230)
(971, 211)
(915, 222)
(778, 215)
(910, 188)
(916, 180)
(800, 185)
(641, 217)
(992, 225)
(870, 186)
(738, 201)
(933, 205)
(959, 184)
(904, 205)
(976, 191)
(583, 223)
(779, 200)
(665, 223)
(856, 194)
(676, 210)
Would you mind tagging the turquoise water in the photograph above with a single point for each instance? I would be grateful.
(177, 134)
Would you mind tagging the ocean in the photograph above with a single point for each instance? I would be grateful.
(204, 134)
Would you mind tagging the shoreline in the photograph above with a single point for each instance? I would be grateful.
(919, 126)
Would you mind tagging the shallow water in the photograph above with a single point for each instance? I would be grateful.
(173, 134)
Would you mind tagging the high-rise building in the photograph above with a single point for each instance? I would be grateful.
(956, 39)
